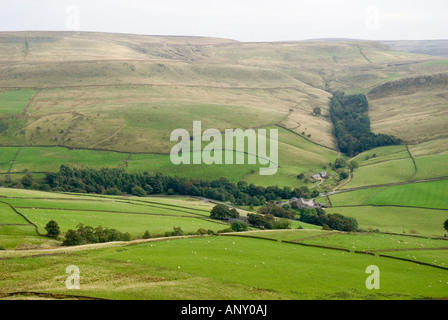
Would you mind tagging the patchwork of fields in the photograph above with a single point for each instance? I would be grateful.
(114, 104)
(231, 267)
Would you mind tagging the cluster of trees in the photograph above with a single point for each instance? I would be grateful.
(119, 182)
(268, 221)
(177, 231)
(222, 212)
(316, 216)
(333, 221)
(87, 234)
(272, 216)
(264, 221)
(349, 114)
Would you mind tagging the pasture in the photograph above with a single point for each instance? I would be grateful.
(112, 101)
(394, 219)
(423, 195)
(127, 214)
(382, 173)
(13, 102)
(242, 268)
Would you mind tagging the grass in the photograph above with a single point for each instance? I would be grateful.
(134, 224)
(23, 237)
(9, 216)
(425, 195)
(296, 155)
(375, 241)
(48, 159)
(428, 222)
(431, 166)
(162, 163)
(382, 154)
(434, 257)
(7, 155)
(260, 269)
(357, 197)
(128, 93)
(133, 215)
(287, 235)
(382, 173)
(238, 267)
(14, 102)
(410, 112)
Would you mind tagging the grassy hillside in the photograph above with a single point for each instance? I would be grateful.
(92, 100)
(137, 73)
(411, 108)
(260, 269)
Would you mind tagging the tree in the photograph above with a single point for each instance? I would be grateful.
(138, 191)
(72, 238)
(445, 225)
(222, 212)
(261, 221)
(337, 221)
(353, 165)
(343, 175)
(317, 111)
(27, 180)
(52, 229)
(239, 226)
(281, 224)
(177, 231)
(340, 163)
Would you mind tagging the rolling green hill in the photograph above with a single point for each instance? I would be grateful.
(110, 101)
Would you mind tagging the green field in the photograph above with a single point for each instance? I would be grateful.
(241, 268)
(352, 198)
(296, 155)
(240, 265)
(95, 100)
(411, 207)
(424, 195)
(397, 219)
(14, 102)
(382, 173)
(7, 155)
(133, 215)
(431, 166)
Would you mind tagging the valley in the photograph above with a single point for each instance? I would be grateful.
(103, 101)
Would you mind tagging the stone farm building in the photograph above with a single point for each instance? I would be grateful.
(320, 175)
(302, 203)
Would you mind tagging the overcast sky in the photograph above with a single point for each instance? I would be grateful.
(244, 20)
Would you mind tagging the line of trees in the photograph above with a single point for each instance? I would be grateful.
(335, 221)
(87, 234)
(118, 182)
(349, 114)
(316, 216)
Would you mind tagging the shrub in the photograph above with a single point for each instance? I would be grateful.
(281, 224)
